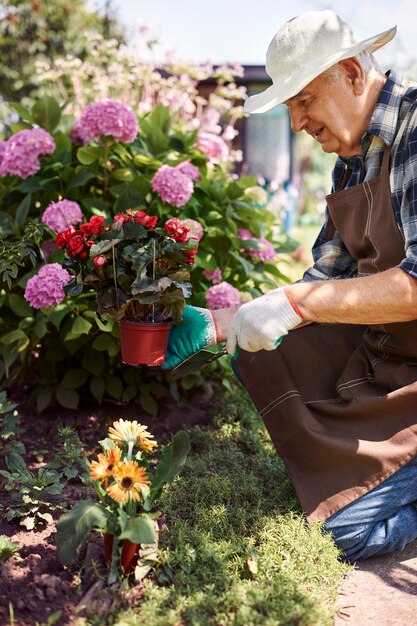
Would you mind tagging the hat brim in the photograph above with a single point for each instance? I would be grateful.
(278, 93)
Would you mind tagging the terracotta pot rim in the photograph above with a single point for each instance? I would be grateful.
(134, 322)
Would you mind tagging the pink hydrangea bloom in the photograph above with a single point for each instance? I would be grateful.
(222, 296)
(172, 186)
(106, 117)
(62, 214)
(3, 145)
(46, 288)
(190, 170)
(76, 134)
(266, 253)
(214, 275)
(213, 146)
(21, 152)
(244, 234)
(196, 229)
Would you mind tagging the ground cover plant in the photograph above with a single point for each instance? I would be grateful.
(235, 548)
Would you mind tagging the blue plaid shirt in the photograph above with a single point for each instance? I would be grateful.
(394, 123)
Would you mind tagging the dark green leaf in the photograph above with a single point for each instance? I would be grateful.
(173, 458)
(75, 378)
(47, 113)
(82, 177)
(23, 210)
(149, 404)
(67, 397)
(73, 528)
(97, 388)
(87, 156)
(19, 306)
(43, 399)
(23, 112)
(141, 530)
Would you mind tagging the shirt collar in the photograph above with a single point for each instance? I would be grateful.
(384, 119)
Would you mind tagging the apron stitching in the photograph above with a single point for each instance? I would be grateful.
(352, 380)
(360, 381)
(346, 387)
(263, 412)
(279, 397)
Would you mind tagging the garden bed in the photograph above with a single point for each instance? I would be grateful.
(235, 548)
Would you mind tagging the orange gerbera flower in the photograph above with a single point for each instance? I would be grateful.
(106, 464)
(129, 480)
(125, 431)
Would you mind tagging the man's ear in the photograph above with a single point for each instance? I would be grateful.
(354, 74)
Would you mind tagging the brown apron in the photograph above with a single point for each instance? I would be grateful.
(340, 401)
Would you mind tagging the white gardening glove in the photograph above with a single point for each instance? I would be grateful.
(260, 324)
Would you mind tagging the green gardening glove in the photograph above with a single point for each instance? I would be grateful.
(197, 331)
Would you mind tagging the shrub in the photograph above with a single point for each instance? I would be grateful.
(72, 351)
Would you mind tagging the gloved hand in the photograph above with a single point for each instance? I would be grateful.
(197, 331)
(260, 324)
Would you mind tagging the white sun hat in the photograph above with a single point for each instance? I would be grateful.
(305, 47)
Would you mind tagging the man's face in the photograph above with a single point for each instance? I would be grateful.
(329, 110)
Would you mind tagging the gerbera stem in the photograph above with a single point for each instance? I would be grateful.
(130, 450)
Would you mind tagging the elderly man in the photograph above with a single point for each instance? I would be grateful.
(339, 394)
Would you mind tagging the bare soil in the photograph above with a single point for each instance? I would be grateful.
(34, 583)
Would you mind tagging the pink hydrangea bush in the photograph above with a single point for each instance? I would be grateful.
(215, 276)
(266, 253)
(213, 146)
(106, 118)
(19, 155)
(173, 186)
(62, 214)
(46, 288)
(222, 296)
(189, 170)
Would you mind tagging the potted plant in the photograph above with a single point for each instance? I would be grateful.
(140, 272)
(127, 487)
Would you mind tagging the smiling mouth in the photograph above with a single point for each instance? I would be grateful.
(317, 133)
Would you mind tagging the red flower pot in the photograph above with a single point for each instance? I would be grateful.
(143, 343)
(128, 557)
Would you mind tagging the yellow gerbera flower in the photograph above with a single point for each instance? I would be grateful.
(129, 480)
(125, 431)
(106, 464)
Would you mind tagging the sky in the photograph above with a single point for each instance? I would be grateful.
(240, 30)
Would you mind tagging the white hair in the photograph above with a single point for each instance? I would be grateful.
(365, 58)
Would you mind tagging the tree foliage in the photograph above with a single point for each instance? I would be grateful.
(33, 30)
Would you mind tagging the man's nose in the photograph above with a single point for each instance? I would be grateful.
(298, 119)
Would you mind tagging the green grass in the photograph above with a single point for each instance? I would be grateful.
(232, 502)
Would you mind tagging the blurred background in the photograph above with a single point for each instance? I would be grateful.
(175, 37)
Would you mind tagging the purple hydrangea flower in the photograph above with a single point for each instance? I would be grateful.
(19, 155)
(214, 275)
(213, 146)
(266, 253)
(222, 296)
(62, 214)
(108, 118)
(3, 145)
(172, 186)
(46, 288)
(190, 170)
